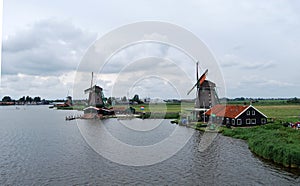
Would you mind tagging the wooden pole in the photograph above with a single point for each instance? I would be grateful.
(92, 79)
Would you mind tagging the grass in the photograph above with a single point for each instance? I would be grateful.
(272, 141)
(290, 113)
(164, 107)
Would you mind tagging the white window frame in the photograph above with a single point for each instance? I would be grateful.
(233, 121)
(248, 112)
(263, 121)
(248, 121)
(253, 123)
(239, 121)
(227, 121)
(253, 112)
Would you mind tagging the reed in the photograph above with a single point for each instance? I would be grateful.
(272, 141)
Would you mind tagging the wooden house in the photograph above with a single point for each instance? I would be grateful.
(235, 115)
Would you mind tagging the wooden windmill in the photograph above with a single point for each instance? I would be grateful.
(206, 91)
(95, 95)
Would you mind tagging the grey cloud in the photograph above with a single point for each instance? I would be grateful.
(258, 65)
(45, 47)
(231, 60)
(256, 81)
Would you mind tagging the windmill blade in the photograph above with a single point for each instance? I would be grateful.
(199, 81)
(192, 89)
(202, 77)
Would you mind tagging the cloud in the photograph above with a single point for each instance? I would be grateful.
(262, 82)
(231, 60)
(258, 65)
(48, 86)
(249, 38)
(45, 47)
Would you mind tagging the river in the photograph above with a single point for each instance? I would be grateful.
(38, 147)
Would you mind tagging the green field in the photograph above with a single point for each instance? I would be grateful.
(162, 107)
(281, 112)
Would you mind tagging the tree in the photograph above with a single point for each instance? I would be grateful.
(37, 99)
(6, 99)
(28, 99)
(22, 99)
(136, 98)
(124, 99)
(293, 100)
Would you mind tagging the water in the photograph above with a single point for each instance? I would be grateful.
(38, 147)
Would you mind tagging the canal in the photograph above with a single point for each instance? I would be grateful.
(38, 147)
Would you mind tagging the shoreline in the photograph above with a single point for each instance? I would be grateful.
(272, 142)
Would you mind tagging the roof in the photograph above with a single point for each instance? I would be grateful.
(229, 111)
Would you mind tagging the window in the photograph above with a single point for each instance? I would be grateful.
(253, 112)
(253, 121)
(263, 121)
(233, 122)
(239, 121)
(227, 120)
(248, 112)
(247, 121)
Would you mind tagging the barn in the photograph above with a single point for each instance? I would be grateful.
(235, 115)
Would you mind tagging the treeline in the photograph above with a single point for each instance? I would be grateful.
(24, 100)
(256, 99)
(261, 101)
(294, 100)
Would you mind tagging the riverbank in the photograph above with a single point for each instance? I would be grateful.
(272, 142)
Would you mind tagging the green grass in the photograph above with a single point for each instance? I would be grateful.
(272, 141)
(160, 115)
(290, 113)
(74, 107)
(164, 107)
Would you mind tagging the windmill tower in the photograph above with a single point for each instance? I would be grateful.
(95, 95)
(206, 96)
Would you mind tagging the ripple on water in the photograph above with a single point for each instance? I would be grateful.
(39, 147)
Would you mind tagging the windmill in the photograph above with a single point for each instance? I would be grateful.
(206, 92)
(95, 95)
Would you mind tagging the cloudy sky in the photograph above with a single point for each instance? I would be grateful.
(255, 43)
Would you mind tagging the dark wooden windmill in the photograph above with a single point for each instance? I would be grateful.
(206, 92)
(95, 95)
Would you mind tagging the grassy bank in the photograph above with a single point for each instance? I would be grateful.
(272, 141)
(159, 115)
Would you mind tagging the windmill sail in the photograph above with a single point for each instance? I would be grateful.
(199, 82)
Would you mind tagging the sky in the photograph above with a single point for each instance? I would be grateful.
(45, 45)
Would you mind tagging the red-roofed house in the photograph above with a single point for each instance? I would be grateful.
(235, 115)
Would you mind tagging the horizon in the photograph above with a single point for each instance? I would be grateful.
(142, 98)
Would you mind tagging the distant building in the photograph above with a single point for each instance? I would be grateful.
(235, 115)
